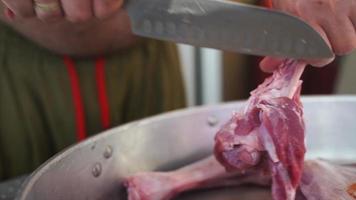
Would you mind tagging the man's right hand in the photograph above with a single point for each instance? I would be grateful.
(72, 10)
(335, 20)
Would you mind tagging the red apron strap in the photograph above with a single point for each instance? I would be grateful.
(81, 131)
(102, 93)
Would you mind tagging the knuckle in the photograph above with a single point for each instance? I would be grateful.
(102, 13)
(320, 3)
(49, 18)
(106, 8)
(79, 17)
(314, 7)
(320, 63)
(22, 11)
(25, 14)
(20, 8)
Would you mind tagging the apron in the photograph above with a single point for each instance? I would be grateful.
(48, 102)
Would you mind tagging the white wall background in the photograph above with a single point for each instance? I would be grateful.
(211, 62)
(347, 77)
(187, 59)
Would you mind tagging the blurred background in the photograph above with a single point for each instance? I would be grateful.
(213, 76)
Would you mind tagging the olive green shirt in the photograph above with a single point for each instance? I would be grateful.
(37, 113)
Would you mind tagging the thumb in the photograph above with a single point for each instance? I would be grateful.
(321, 62)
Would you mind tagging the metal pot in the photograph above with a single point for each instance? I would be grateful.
(94, 168)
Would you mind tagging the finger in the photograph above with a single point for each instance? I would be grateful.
(285, 6)
(341, 33)
(21, 8)
(9, 14)
(353, 15)
(269, 64)
(105, 8)
(48, 10)
(77, 10)
(277, 4)
(353, 21)
(320, 62)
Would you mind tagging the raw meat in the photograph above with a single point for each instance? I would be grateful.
(272, 127)
(203, 174)
(262, 145)
(268, 134)
(321, 180)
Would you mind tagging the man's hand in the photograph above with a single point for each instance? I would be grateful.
(335, 20)
(73, 10)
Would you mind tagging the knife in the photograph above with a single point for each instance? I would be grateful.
(226, 25)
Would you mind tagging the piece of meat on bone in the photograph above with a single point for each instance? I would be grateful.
(272, 126)
(321, 180)
(207, 173)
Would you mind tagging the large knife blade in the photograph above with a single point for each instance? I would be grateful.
(228, 26)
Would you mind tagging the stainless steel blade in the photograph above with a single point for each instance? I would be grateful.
(228, 26)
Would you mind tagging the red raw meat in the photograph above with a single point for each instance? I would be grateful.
(206, 173)
(268, 134)
(262, 145)
(321, 180)
(271, 126)
(165, 185)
